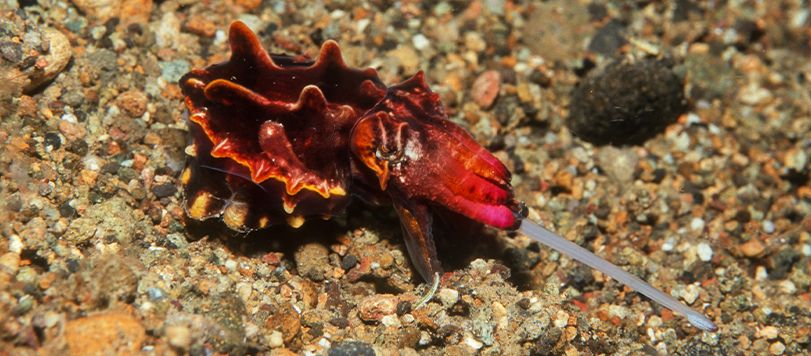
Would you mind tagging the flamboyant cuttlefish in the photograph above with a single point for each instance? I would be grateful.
(278, 139)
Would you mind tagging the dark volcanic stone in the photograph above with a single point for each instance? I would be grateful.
(608, 39)
(164, 190)
(355, 348)
(626, 103)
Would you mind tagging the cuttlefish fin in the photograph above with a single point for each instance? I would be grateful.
(416, 221)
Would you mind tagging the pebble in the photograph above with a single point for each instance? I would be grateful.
(111, 332)
(689, 293)
(133, 102)
(796, 159)
(618, 163)
(420, 42)
(448, 297)
(201, 26)
(374, 307)
(286, 320)
(485, 88)
(129, 11)
(704, 251)
(164, 190)
(752, 248)
(312, 260)
(179, 336)
(561, 319)
(390, 320)
(768, 332)
(768, 226)
(55, 60)
(351, 348)
(9, 263)
(473, 343)
(275, 340)
(697, 224)
(171, 71)
(777, 348)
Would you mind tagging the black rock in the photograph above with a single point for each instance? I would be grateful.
(164, 190)
(351, 348)
(626, 103)
(608, 39)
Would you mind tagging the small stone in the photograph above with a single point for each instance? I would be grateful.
(11, 51)
(133, 102)
(485, 89)
(752, 248)
(201, 26)
(375, 307)
(689, 294)
(275, 340)
(72, 131)
(704, 251)
(111, 332)
(178, 336)
(129, 11)
(618, 163)
(561, 319)
(312, 261)
(155, 294)
(407, 57)
(351, 348)
(172, 71)
(448, 296)
(349, 261)
(473, 343)
(697, 224)
(420, 42)
(796, 159)
(164, 190)
(9, 263)
(390, 320)
(787, 287)
(768, 332)
(286, 320)
(768, 226)
(55, 60)
(777, 348)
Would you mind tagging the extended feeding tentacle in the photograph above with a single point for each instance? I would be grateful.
(568, 248)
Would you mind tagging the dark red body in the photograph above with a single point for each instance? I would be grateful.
(278, 139)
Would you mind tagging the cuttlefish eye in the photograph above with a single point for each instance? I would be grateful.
(391, 149)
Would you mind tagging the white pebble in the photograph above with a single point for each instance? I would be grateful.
(704, 251)
(390, 320)
(693, 119)
(788, 287)
(768, 226)
(561, 319)
(448, 296)
(179, 336)
(690, 294)
(420, 42)
(761, 274)
(777, 348)
(276, 339)
(669, 244)
(697, 224)
(473, 343)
